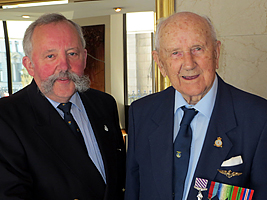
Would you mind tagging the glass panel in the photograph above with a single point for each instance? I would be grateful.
(3, 64)
(140, 28)
(20, 76)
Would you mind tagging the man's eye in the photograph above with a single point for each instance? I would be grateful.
(72, 53)
(176, 53)
(197, 50)
(50, 56)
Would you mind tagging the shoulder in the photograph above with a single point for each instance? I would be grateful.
(244, 101)
(154, 99)
(97, 97)
(246, 97)
(93, 93)
(16, 99)
(154, 103)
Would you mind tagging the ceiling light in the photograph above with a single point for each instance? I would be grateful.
(25, 16)
(117, 9)
(35, 4)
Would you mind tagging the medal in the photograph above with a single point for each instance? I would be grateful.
(200, 185)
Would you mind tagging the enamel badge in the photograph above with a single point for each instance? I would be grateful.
(218, 142)
(178, 154)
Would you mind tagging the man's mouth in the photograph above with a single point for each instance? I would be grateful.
(63, 79)
(190, 77)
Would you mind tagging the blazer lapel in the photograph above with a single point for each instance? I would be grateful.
(104, 133)
(221, 124)
(59, 138)
(161, 143)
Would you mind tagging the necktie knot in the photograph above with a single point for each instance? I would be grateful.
(65, 107)
(189, 114)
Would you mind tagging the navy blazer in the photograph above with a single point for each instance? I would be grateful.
(239, 118)
(40, 158)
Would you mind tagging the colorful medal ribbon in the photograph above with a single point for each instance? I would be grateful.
(229, 192)
(213, 189)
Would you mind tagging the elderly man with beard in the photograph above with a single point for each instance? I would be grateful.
(47, 152)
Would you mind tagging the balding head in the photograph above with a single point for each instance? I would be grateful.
(186, 18)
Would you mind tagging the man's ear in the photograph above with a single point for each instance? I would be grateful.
(217, 53)
(85, 58)
(27, 63)
(155, 55)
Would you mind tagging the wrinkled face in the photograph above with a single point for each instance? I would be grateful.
(188, 55)
(56, 48)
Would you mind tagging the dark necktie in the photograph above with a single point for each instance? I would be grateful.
(68, 118)
(181, 149)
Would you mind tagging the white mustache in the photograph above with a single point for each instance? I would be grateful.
(82, 83)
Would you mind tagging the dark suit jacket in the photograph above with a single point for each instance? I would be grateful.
(239, 118)
(40, 158)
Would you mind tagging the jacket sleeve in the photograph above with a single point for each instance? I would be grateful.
(258, 169)
(15, 180)
(132, 168)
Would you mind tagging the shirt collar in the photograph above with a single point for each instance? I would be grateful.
(75, 100)
(204, 106)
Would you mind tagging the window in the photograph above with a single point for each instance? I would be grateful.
(139, 33)
(19, 75)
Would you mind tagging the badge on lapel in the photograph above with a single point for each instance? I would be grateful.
(105, 128)
(218, 142)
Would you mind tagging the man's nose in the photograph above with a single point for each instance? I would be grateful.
(188, 63)
(64, 63)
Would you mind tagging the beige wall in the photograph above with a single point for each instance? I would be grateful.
(241, 27)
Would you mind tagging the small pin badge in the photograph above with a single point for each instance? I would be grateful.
(218, 142)
(178, 154)
(105, 128)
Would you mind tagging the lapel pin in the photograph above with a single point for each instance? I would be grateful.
(218, 142)
(105, 128)
(178, 154)
(200, 185)
(229, 174)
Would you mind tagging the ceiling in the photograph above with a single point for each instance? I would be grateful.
(76, 9)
